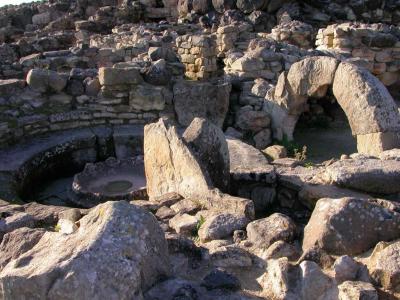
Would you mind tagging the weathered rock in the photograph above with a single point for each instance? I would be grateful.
(165, 212)
(372, 111)
(222, 5)
(263, 138)
(306, 281)
(45, 80)
(345, 268)
(248, 163)
(314, 283)
(221, 226)
(172, 289)
(66, 226)
(201, 99)
(15, 221)
(250, 120)
(275, 152)
(17, 242)
(383, 265)
(230, 257)
(158, 73)
(280, 249)
(349, 226)
(277, 227)
(221, 279)
(186, 206)
(165, 53)
(119, 76)
(208, 144)
(279, 279)
(248, 64)
(311, 193)
(169, 164)
(115, 239)
(248, 6)
(352, 290)
(367, 175)
(183, 224)
(146, 97)
(393, 154)
(201, 6)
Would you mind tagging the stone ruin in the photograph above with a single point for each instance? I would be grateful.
(149, 149)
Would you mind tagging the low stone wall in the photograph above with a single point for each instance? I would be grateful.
(49, 101)
(53, 102)
(374, 46)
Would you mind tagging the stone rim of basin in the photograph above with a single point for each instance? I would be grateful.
(112, 179)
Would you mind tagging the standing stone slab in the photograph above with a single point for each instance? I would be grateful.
(170, 166)
(208, 144)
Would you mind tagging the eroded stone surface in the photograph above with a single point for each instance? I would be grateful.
(113, 237)
(349, 226)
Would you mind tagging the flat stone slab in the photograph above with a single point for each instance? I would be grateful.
(248, 163)
(367, 175)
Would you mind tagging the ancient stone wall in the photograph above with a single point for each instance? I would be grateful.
(198, 53)
(52, 102)
(375, 46)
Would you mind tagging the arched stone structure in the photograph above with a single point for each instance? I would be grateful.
(372, 113)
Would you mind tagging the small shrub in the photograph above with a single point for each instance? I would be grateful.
(293, 149)
(300, 155)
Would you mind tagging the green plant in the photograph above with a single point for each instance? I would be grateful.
(293, 149)
(308, 164)
(200, 223)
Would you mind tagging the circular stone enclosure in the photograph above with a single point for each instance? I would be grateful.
(109, 180)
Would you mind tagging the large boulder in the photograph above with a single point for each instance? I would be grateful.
(115, 240)
(170, 166)
(209, 146)
(201, 99)
(349, 226)
(364, 174)
(45, 80)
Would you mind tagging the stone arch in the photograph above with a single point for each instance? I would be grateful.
(370, 109)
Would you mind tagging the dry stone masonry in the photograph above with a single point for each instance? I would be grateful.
(193, 149)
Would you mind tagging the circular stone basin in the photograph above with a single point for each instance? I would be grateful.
(109, 180)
